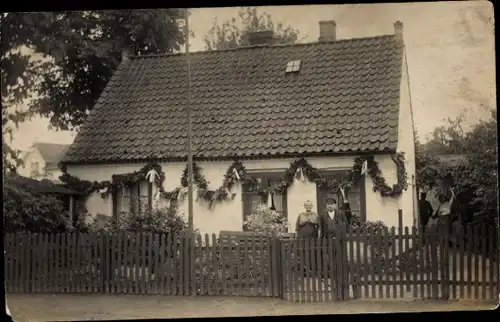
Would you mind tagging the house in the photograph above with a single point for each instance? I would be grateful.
(41, 161)
(329, 103)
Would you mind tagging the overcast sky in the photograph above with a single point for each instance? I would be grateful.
(449, 47)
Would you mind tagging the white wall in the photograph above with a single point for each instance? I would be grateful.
(406, 144)
(33, 155)
(229, 215)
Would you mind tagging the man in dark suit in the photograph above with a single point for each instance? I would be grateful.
(334, 218)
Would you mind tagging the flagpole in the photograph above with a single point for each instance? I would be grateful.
(189, 125)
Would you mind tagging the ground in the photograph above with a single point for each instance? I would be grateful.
(67, 307)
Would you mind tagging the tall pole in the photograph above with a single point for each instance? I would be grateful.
(189, 125)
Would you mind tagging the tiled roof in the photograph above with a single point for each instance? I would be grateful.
(51, 153)
(344, 99)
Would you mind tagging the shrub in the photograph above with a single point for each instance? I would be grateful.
(26, 210)
(265, 220)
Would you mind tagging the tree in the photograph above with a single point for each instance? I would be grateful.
(473, 182)
(80, 50)
(228, 35)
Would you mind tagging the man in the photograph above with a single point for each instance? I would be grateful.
(333, 218)
(425, 210)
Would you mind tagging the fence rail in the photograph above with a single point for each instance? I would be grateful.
(397, 263)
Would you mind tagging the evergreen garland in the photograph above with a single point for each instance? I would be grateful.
(236, 173)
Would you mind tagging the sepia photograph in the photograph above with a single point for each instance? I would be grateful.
(249, 161)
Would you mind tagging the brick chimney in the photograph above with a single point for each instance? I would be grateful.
(261, 38)
(327, 31)
(398, 30)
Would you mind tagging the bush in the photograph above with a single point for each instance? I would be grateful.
(265, 220)
(26, 210)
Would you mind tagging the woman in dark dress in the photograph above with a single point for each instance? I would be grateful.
(307, 227)
(308, 222)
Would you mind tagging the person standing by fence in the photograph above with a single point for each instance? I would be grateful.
(425, 210)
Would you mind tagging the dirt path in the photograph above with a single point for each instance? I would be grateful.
(44, 307)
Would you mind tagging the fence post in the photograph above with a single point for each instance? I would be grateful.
(444, 238)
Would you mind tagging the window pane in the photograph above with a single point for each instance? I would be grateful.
(144, 185)
(144, 203)
(278, 203)
(254, 200)
(274, 182)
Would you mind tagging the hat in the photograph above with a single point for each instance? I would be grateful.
(330, 199)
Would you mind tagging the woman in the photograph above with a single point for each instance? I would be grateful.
(308, 222)
(307, 227)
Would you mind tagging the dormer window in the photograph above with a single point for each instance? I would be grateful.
(293, 66)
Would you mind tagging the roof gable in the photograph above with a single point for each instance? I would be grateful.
(345, 98)
(52, 153)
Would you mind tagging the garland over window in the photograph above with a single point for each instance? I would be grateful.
(236, 173)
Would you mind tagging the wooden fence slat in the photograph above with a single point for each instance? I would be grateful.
(202, 266)
(284, 263)
(96, 272)
(246, 280)
(324, 274)
(386, 270)
(415, 246)
(18, 280)
(484, 258)
(461, 259)
(172, 265)
(476, 257)
(27, 269)
(453, 277)
(393, 270)
(307, 263)
(365, 271)
(468, 256)
(216, 262)
(332, 268)
(371, 264)
(313, 268)
(161, 264)
(152, 252)
(423, 262)
(154, 267)
(52, 263)
(493, 263)
(187, 265)
(192, 262)
(403, 264)
(121, 262)
(359, 276)
(33, 256)
(112, 260)
(350, 268)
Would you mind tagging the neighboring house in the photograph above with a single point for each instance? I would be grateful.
(329, 101)
(41, 161)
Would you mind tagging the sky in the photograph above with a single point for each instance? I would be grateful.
(449, 47)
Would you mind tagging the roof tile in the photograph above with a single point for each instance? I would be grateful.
(345, 98)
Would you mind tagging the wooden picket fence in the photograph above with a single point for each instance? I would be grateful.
(395, 263)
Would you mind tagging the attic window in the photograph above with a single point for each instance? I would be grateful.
(293, 66)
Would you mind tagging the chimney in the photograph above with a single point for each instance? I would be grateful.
(398, 30)
(327, 31)
(261, 38)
